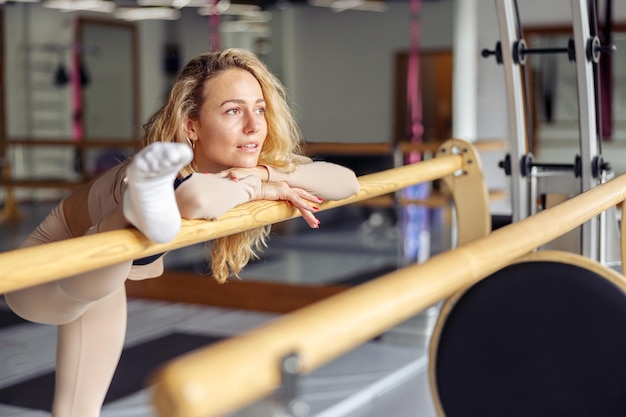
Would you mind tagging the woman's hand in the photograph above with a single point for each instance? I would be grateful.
(235, 174)
(298, 197)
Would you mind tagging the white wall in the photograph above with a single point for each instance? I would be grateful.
(153, 82)
(339, 67)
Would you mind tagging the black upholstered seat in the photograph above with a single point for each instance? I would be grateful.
(542, 337)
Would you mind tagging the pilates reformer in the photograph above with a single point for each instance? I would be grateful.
(542, 336)
(532, 179)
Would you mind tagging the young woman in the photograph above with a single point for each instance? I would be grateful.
(225, 136)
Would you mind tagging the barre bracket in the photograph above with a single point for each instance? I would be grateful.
(288, 392)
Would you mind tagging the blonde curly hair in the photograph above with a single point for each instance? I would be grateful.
(229, 254)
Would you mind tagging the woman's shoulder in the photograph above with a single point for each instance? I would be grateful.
(301, 159)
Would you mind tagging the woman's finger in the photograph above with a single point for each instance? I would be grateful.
(307, 195)
(298, 198)
(301, 203)
(310, 219)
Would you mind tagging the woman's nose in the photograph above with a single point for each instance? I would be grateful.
(252, 123)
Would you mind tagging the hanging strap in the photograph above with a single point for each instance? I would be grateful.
(414, 102)
(77, 99)
(214, 26)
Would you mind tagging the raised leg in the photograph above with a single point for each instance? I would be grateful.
(149, 201)
(88, 351)
(149, 204)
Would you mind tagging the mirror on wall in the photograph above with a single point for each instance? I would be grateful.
(435, 71)
(109, 81)
(69, 79)
(553, 96)
(47, 138)
(109, 89)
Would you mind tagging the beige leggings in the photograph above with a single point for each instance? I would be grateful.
(90, 311)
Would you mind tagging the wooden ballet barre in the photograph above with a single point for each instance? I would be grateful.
(11, 210)
(407, 147)
(481, 146)
(231, 374)
(27, 267)
(334, 148)
(41, 183)
(67, 142)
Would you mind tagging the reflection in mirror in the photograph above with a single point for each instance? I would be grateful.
(554, 100)
(40, 143)
(109, 91)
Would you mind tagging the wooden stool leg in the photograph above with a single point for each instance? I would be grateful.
(11, 210)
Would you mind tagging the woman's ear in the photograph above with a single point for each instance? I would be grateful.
(190, 130)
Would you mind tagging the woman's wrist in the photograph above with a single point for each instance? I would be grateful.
(265, 175)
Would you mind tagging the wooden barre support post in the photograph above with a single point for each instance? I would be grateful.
(233, 373)
(10, 211)
(27, 267)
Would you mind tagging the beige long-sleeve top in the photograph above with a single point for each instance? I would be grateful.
(89, 204)
(212, 196)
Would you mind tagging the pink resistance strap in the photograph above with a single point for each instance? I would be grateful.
(214, 26)
(77, 99)
(414, 101)
(415, 218)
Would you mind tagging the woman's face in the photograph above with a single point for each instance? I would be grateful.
(231, 129)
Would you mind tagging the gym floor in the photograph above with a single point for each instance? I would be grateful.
(387, 376)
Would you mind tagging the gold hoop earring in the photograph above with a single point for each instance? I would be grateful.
(192, 143)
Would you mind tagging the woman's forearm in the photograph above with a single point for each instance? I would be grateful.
(326, 180)
(206, 196)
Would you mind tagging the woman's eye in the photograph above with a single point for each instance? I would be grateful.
(261, 110)
(232, 111)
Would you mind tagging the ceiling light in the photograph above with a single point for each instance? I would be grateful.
(244, 14)
(147, 13)
(343, 5)
(19, 1)
(172, 3)
(86, 5)
(226, 7)
(234, 26)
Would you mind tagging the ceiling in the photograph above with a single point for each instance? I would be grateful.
(249, 10)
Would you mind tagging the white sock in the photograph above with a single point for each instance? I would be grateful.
(149, 201)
